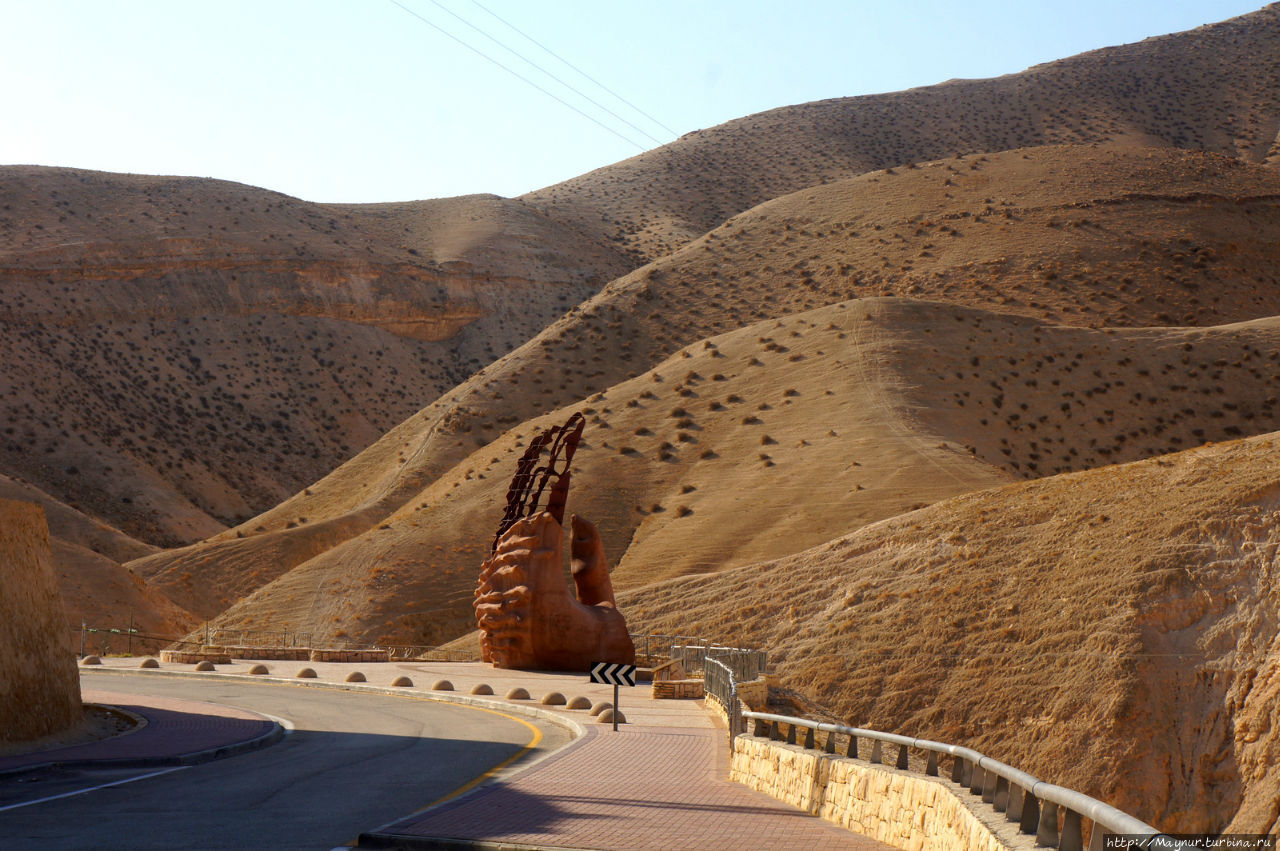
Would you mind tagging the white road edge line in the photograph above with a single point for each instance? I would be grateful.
(93, 788)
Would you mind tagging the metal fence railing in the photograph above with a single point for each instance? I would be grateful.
(693, 651)
(651, 645)
(1055, 814)
(257, 638)
(720, 684)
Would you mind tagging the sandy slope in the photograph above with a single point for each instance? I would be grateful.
(1112, 630)
(768, 440)
(215, 347)
(827, 244)
(1214, 88)
(87, 556)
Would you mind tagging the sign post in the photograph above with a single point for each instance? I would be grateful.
(618, 674)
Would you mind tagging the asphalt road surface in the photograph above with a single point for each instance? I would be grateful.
(353, 762)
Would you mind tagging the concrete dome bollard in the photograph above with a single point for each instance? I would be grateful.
(482, 688)
(601, 707)
(148, 663)
(258, 670)
(306, 674)
(518, 693)
(442, 685)
(553, 698)
(206, 665)
(608, 716)
(91, 660)
(356, 677)
(402, 682)
(580, 702)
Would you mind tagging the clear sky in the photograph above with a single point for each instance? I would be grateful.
(361, 100)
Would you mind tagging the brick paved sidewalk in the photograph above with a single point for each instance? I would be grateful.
(638, 788)
(177, 732)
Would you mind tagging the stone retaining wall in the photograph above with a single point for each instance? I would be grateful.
(350, 656)
(285, 654)
(754, 694)
(689, 689)
(192, 657)
(901, 809)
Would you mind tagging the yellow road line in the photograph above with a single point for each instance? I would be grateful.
(471, 784)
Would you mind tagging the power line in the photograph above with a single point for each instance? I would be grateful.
(521, 56)
(516, 74)
(576, 68)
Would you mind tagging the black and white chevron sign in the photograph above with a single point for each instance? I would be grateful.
(613, 673)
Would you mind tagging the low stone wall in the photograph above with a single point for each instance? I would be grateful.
(192, 657)
(755, 694)
(690, 689)
(350, 656)
(284, 654)
(39, 683)
(901, 809)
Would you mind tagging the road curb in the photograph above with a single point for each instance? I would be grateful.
(407, 842)
(275, 734)
(576, 729)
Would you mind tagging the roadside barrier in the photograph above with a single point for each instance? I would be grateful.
(1054, 814)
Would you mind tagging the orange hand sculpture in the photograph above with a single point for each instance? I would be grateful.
(527, 617)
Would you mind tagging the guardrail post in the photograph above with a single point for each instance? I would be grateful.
(1001, 799)
(1072, 836)
(774, 733)
(989, 788)
(831, 742)
(931, 765)
(957, 770)
(852, 751)
(877, 754)
(1013, 809)
(975, 780)
(1030, 813)
(902, 757)
(762, 728)
(808, 739)
(1047, 832)
(966, 772)
(791, 734)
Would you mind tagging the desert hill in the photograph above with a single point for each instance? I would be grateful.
(1215, 88)
(1093, 236)
(186, 353)
(95, 588)
(1111, 630)
(189, 352)
(764, 441)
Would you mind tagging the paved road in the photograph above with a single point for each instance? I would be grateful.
(352, 763)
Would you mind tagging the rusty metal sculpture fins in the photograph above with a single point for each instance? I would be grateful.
(527, 616)
(522, 498)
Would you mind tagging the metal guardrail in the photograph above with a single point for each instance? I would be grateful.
(656, 644)
(1032, 803)
(745, 664)
(255, 638)
(720, 684)
(428, 653)
(693, 651)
